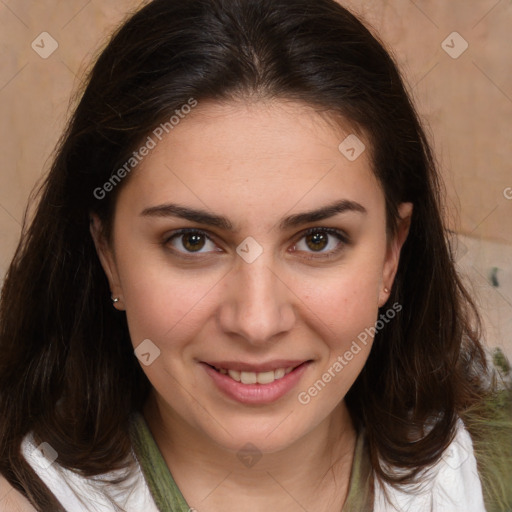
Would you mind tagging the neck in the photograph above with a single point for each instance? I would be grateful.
(312, 473)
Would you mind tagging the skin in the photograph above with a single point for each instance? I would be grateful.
(253, 163)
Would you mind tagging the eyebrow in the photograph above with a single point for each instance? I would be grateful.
(218, 221)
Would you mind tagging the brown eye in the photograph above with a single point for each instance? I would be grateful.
(317, 241)
(321, 243)
(191, 241)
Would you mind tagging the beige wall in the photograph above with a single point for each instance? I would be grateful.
(467, 101)
(35, 92)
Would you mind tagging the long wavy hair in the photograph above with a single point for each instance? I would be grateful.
(67, 368)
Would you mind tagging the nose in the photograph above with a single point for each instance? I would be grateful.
(258, 305)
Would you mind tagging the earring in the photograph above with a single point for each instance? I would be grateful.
(115, 299)
(386, 290)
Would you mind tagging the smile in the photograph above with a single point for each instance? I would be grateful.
(256, 378)
(256, 384)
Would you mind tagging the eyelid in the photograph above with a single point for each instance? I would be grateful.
(187, 231)
(341, 235)
(343, 238)
(331, 231)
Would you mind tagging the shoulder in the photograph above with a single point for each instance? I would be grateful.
(457, 479)
(11, 500)
(453, 483)
(123, 489)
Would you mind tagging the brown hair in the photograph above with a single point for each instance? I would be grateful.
(68, 372)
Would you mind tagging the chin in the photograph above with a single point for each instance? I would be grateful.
(268, 435)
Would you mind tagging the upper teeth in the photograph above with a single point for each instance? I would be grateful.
(260, 377)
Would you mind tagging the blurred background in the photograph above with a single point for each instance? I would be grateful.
(455, 57)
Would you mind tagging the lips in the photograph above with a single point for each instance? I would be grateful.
(257, 367)
(256, 383)
(255, 374)
(256, 377)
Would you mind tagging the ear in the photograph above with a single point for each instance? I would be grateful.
(394, 247)
(107, 260)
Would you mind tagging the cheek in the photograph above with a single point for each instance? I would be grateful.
(347, 307)
(163, 303)
(347, 302)
(347, 310)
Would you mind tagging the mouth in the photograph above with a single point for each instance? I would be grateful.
(259, 384)
(253, 377)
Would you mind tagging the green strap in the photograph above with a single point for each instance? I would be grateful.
(360, 496)
(168, 497)
(163, 488)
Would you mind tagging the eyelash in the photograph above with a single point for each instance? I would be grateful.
(340, 235)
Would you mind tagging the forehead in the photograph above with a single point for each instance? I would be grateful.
(259, 157)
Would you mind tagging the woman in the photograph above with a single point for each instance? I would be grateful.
(236, 292)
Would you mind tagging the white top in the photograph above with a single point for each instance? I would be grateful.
(452, 485)
(79, 494)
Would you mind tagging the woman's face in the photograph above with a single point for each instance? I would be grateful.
(246, 244)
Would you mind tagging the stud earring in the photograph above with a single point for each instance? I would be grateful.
(386, 290)
(115, 299)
